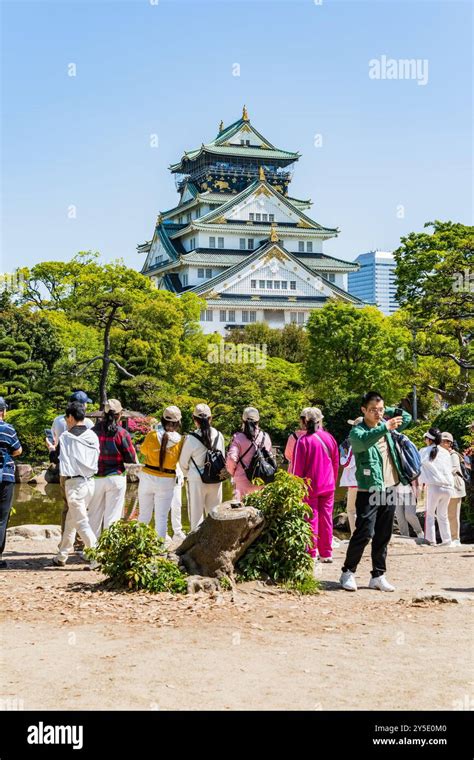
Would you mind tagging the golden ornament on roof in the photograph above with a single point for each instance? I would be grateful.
(221, 126)
(261, 174)
(274, 234)
(245, 115)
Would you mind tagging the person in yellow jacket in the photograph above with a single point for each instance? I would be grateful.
(157, 480)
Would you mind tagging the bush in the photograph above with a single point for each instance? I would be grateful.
(30, 422)
(455, 421)
(281, 550)
(132, 556)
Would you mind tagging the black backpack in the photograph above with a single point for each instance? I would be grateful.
(214, 470)
(408, 455)
(262, 465)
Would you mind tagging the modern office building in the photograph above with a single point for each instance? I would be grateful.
(374, 282)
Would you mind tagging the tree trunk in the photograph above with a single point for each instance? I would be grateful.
(225, 535)
(106, 360)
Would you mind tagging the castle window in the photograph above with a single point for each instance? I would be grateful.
(188, 217)
(261, 283)
(258, 217)
(292, 284)
(206, 315)
(271, 217)
(208, 274)
(284, 285)
(269, 284)
(220, 242)
(223, 315)
(245, 316)
(184, 279)
(231, 315)
(276, 284)
(309, 247)
(300, 246)
(200, 273)
(212, 242)
(264, 217)
(252, 316)
(251, 217)
(242, 244)
(250, 244)
(253, 283)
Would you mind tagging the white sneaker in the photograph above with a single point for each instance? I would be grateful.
(180, 535)
(325, 559)
(456, 542)
(348, 581)
(381, 584)
(335, 543)
(446, 544)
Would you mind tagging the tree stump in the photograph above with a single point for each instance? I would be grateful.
(213, 549)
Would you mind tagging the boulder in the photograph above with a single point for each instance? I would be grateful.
(23, 473)
(222, 538)
(341, 522)
(132, 471)
(35, 532)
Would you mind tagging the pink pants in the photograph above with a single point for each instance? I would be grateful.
(321, 524)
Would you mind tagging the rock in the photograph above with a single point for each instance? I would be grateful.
(341, 522)
(38, 479)
(466, 532)
(225, 535)
(35, 532)
(198, 583)
(51, 475)
(132, 471)
(23, 473)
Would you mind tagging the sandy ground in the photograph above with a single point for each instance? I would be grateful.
(67, 644)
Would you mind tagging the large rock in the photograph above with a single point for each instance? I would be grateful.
(35, 532)
(132, 471)
(225, 535)
(23, 473)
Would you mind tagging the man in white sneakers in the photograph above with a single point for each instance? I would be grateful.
(78, 452)
(378, 471)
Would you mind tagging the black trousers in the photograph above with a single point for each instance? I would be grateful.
(374, 520)
(6, 499)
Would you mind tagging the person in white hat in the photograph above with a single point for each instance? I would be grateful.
(348, 477)
(293, 437)
(436, 475)
(157, 480)
(110, 483)
(242, 449)
(454, 506)
(202, 497)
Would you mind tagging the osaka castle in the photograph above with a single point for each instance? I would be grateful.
(239, 240)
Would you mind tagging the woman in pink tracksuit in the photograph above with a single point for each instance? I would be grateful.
(242, 446)
(293, 438)
(316, 457)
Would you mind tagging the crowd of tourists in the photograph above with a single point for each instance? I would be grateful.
(385, 476)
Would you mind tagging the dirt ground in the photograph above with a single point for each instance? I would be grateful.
(67, 644)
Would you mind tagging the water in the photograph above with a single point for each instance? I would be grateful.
(42, 505)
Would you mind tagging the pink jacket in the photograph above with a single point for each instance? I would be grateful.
(311, 460)
(290, 447)
(238, 446)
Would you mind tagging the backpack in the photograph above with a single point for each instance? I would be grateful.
(214, 470)
(463, 471)
(409, 458)
(262, 465)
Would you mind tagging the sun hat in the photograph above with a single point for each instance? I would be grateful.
(172, 414)
(250, 414)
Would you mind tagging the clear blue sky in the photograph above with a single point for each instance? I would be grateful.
(167, 69)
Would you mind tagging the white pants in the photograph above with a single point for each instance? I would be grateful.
(202, 497)
(106, 505)
(405, 512)
(437, 501)
(155, 493)
(79, 492)
(176, 507)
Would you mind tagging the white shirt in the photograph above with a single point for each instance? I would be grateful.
(195, 449)
(79, 454)
(59, 426)
(438, 471)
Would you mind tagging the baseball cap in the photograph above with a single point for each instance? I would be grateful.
(447, 437)
(172, 414)
(3, 404)
(251, 414)
(113, 405)
(202, 410)
(313, 413)
(80, 396)
(357, 421)
(303, 411)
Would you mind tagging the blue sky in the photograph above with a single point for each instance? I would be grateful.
(167, 69)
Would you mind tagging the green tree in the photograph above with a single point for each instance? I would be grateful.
(354, 350)
(435, 284)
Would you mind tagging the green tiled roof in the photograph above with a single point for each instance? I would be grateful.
(237, 151)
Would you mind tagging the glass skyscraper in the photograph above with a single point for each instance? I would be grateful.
(375, 280)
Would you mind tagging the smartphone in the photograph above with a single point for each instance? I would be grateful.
(398, 412)
(49, 435)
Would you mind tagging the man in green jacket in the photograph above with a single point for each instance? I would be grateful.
(378, 472)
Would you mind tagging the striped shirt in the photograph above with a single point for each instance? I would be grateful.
(8, 444)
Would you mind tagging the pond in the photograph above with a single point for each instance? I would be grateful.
(42, 505)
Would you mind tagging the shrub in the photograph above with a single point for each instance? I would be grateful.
(455, 420)
(29, 422)
(132, 556)
(281, 550)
